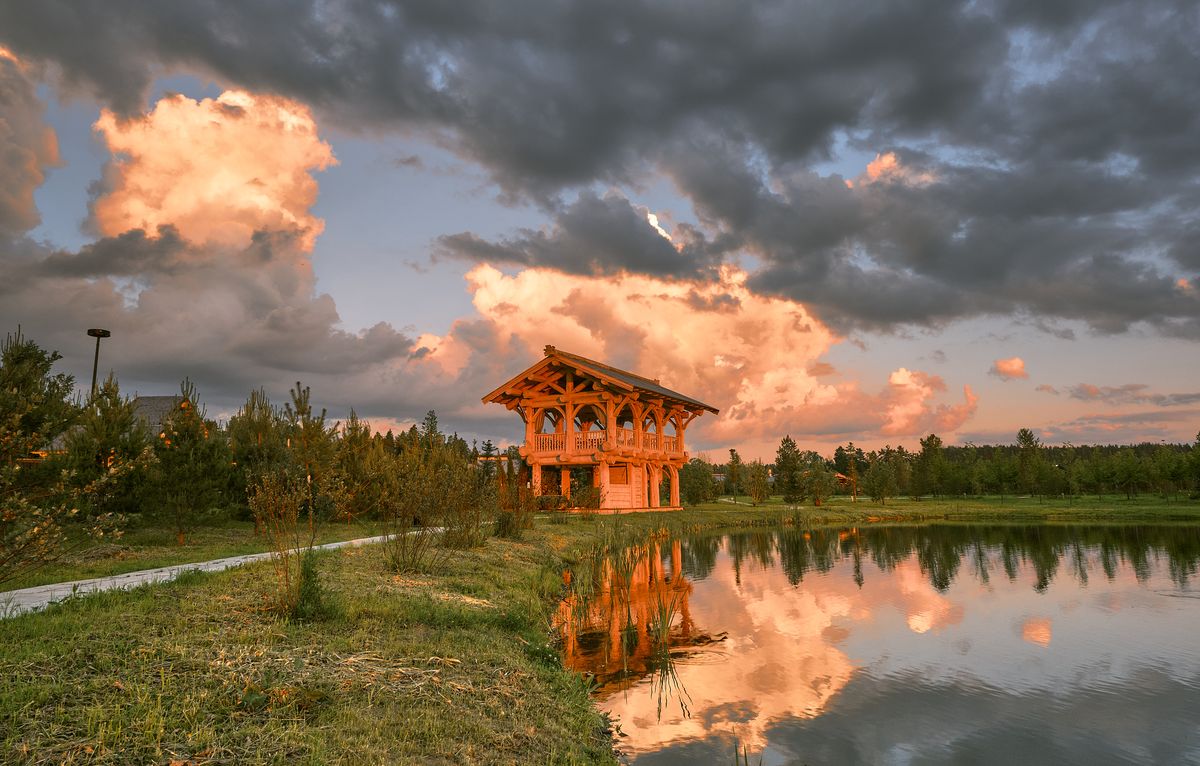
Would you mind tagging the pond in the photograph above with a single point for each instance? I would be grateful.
(913, 644)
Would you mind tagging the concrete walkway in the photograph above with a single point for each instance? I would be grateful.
(16, 602)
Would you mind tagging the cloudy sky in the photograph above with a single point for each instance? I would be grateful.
(843, 221)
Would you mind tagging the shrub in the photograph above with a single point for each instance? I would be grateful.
(276, 500)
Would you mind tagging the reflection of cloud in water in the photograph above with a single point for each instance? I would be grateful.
(806, 647)
(1037, 630)
(924, 607)
(784, 659)
(780, 665)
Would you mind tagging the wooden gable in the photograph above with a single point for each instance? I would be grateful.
(562, 374)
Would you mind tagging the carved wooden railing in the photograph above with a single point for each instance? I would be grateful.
(590, 440)
(549, 442)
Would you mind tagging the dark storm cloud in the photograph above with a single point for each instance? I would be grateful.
(594, 235)
(27, 148)
(1052, 146)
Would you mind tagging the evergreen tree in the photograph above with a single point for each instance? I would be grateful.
(257, 441)
(787, 471)
(110, 439)
(1029, 458)
(311, 443)
(193, 463)
(733, 474)
(35, 408)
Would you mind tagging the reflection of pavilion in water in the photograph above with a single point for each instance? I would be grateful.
(612, 633)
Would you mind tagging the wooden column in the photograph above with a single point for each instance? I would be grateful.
(602, 473)
(637, 426)
(569, 428)
(655, 485)
(674, 486)
(535, 478)
(530, 427)
(565, 482)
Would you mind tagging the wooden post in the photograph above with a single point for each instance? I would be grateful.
(655, 485)
(569, 429)
(535, 478)
(638, 417)
(603, 479)
(565, 482)
(674, 486)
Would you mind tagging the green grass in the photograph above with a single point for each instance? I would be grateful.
(992, 508)
(148, 547)
(451, 669)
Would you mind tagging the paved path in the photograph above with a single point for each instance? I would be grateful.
(16, 602)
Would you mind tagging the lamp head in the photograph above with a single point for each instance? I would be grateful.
(96, 332)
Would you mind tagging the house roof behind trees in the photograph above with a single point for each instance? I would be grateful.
(153, 410)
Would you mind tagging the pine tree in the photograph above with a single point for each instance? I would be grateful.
(35, 408)
(787, 471)
(193, 463)
(109, 440)
(733, 474)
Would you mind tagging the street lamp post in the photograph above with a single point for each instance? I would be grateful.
(97, 333)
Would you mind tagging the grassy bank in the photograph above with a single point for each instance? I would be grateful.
(449, 669)
(147, 547)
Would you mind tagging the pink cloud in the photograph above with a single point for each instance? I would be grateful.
(1012, 368)
(217, 169)
(759, 359)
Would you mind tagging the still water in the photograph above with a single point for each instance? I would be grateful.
(924, 644)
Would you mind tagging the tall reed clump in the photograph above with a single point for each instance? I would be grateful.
(408, 504)
(287, 455)
(280, 504)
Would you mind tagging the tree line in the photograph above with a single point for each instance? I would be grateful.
(1025, 468)
(95, 466)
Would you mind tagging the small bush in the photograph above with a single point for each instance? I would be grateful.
(312, 601)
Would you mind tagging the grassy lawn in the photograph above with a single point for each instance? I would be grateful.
(1108, 508)
(149, 547)
(450, 669)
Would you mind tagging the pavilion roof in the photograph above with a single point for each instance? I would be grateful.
(614, 377)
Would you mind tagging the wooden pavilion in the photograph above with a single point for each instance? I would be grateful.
(582, 413)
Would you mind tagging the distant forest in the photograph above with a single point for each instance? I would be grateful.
(1026, 467)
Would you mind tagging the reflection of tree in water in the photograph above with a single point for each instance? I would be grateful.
(627, 616)
(941, 550)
